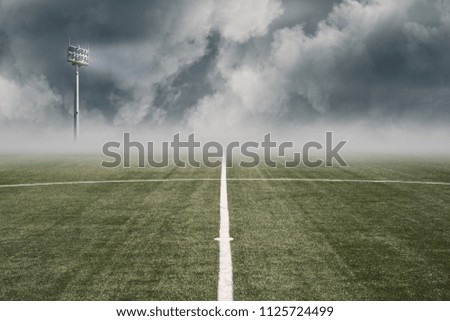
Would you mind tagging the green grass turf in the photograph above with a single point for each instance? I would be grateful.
(342, 241)
(293, 240)
(144, 241)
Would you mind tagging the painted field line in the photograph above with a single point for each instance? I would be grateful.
(121, 181)
(337, 180)
(225, 286)
(280, 179)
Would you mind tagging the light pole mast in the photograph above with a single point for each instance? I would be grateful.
(76, 105)
(78, 57)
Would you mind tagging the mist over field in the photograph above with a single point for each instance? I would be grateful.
(375, 72)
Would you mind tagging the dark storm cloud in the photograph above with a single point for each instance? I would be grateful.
(40, 31)
(308, 13)
(373, 60)
(215, 62)
(143, 53)
(397, 68)
(99, 21)
(183, 90)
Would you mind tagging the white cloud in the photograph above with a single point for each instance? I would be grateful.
(241, 20)
(33, 100)
(315, 63)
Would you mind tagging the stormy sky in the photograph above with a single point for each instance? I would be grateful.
(210, 65)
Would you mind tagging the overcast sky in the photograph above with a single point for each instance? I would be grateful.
(208, 64)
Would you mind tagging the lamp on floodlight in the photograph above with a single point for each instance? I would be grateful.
(78, 57)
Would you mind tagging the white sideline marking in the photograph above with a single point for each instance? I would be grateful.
(281, 179)
(225, 287)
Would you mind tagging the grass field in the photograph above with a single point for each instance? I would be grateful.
(293, 240)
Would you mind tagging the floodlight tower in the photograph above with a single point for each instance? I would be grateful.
(78, 57)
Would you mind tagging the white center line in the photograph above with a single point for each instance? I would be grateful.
(225, 287)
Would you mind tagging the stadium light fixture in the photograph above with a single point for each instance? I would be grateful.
(78, 57)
